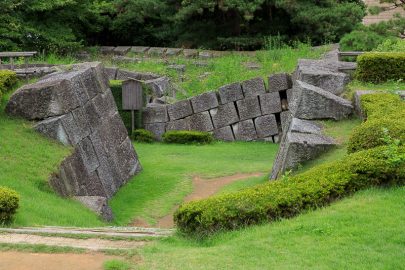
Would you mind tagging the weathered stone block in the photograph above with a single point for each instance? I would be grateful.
(181, 124)
(143, 76)
(122, 50)
(270, 103)
(53, 128)
(253, 87)
(107, 49)
(190, 53)
(231, 92)
(266, 126)
(204, 102)
(98, 204)
(279, 82)
(244, 130)
(158, 129)
(179, 109)
(224, 115)
(157, 51)
(111, 72)
(248, 108)
(305, 126)
(139, 49)
(201, 122)
(224, 134)
(159, 86)
(155, 114)
(173, 51)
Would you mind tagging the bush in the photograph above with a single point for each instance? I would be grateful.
(381, 67)
(361, 40)
(287, 197)
(383, 111)
(8, 79)
(9, 202)
(187, 137)
(143, 135)
(390, 45)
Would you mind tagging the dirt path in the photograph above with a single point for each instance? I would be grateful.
(202, 188)
(90, 244)
(39, 261)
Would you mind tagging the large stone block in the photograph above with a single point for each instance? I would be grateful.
(224, 134)
(143, 76)
(98, 204)
(253, 87)
(279, 82)
(139, 49)
(157, 51)
(231, 92)
(53, 128)
(245, 130)
(122, 50)
(248, 108)
(224, 115)
(155, 114)
(180, 109)
(159, 86)
(181, 124)
(111, 72)
(311, 102)
(305, 126)
(204, 102)
(270, 103)
(173, 51)
(266, 126)
(158, 129)
(190, 53)
(201, 122)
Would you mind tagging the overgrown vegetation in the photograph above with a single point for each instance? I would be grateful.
(9, 201)
(187, 137)
(8, 79)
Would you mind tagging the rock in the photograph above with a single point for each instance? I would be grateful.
(311, 102)
(122, 50)
(206, 54)
(253, 87)
(173, 51)
(157, 51)
(178, 68)
(155, 114)
(204, 102)
(284, 116)
(231, 92)
(107, 49)
(357, 104)
(111, 72)
(224, 134)
(164, 100)
(305, 126)
(97, 204)
(139, 49)
(279, 82)
(248, 108)
(159, 86)
(142, 76)
(201, 122)
(224, 115)
(270, 103)
(125, 59)
(182, 124)
(266, 126)
(180, 109)
(244, 130)
(158, 129)
(190, 53)
(76, 107)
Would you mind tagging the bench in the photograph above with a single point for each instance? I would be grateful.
(352, 54)
(12, 55)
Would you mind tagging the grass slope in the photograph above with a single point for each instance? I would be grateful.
(27, 159)
(168, 170)
(361, 232)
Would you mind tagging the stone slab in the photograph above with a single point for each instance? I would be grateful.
(204, 102)
(173, 51)
(224, 134)
(279, 82)
(253, 87)
(155, 114)
(266, 126)
(201, 122)
(244, 130)
(270, 103)
(248, 108)
(158, 129)
(139, 49)
(230, 93)
(122, 50)
(157, 51)
(181, 124)
(180, 109)
(111, 72)
(224, 115)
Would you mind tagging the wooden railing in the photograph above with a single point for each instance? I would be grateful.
(12, 55)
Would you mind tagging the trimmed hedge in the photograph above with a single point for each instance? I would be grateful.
(288, 197)
(383, 111)
(379, 67)
(187, 137)
(143, 135)
(9, 202)
(8, 79)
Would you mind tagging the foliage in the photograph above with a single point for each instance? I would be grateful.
(385, 118)
(187, 137)
(142, 135)
(286, 198)
(381, 67)
(390, 45)
(116, 265)
(8, 79)
(9, 202)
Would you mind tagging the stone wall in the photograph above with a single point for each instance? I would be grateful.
(75, 107)
(383, 16)
(243, 111)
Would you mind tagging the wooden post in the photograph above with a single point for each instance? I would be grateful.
(132, 120)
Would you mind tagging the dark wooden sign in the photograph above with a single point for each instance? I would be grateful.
(132, 95)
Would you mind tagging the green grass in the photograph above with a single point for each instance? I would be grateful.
(40, 248)
(387, 86)
(246, 183)
(116, 265)
(168, 170)
(361, 232)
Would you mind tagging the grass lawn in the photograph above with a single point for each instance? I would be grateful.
(361, 232)
(387, 86)
(168, 170)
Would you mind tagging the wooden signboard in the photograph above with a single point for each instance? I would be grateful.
(132, 97)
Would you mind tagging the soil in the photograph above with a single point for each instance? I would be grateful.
(39, 261)
(202, 188)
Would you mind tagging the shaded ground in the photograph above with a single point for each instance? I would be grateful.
(36, 261)
(202, 188)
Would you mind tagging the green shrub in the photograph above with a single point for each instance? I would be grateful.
(187, 137)
(383, 111)
(8, 79)
(290, 196)
(361, 40)
(143, 135)
(9, 202)
(381, 67)
(397, 45)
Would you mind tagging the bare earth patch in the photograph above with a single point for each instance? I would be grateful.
(38, 261)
